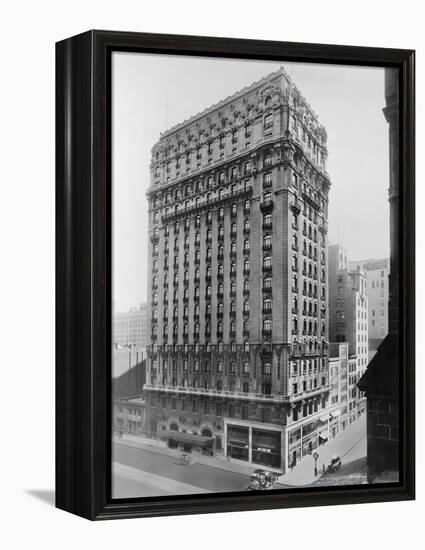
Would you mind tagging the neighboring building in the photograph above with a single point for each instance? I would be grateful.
(130, 328)
(338, 376)
(128, 372)
(377, 273)
(380, 382)
(348, 307)
(238, 208)
(129, 415)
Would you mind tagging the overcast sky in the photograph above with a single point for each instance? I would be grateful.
(151, 93)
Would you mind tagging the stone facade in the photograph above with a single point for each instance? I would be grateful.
(238, 207)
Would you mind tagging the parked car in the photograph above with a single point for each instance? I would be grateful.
(334, 464)
(261, 479)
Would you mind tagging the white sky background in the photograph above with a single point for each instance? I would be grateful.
(151, 93)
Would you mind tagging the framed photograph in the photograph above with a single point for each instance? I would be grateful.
(235, 274)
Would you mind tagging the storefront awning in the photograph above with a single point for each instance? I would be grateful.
(324, 435)
(324, 418)
(335, 413)
(189, 439)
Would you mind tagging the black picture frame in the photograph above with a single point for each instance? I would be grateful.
(83, 273)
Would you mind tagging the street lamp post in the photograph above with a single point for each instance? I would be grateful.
(315, 456)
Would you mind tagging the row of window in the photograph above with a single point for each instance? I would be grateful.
(206, 384)
(205, 406)
(308, 385)
(207, 367)
(234, 134)
(196, 294)
(307, 366)
(196, 329)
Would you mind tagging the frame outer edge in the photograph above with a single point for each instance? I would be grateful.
(74, 464)
(83, 237)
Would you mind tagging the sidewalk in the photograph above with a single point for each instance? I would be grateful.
(349, 445)
(157, 446)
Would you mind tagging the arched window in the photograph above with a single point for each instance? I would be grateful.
(267, 261)
(267, 325)
(267, 221)
(267, 304)
(267, 160)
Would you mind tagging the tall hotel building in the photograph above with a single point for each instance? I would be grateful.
(238, 205)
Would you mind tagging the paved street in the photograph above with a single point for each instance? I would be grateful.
(131, 482)
(350, 445)
(145, 473)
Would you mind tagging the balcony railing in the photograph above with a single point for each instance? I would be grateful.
(266, 206)
(206, 203)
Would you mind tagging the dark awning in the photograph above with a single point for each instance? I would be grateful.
(183, 437)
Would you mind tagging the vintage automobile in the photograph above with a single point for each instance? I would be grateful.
(261, 479)
(334, 464)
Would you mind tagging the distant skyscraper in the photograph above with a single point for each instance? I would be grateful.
(377, 277)
(130, 328)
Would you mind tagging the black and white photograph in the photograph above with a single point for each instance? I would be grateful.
(255, 275)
